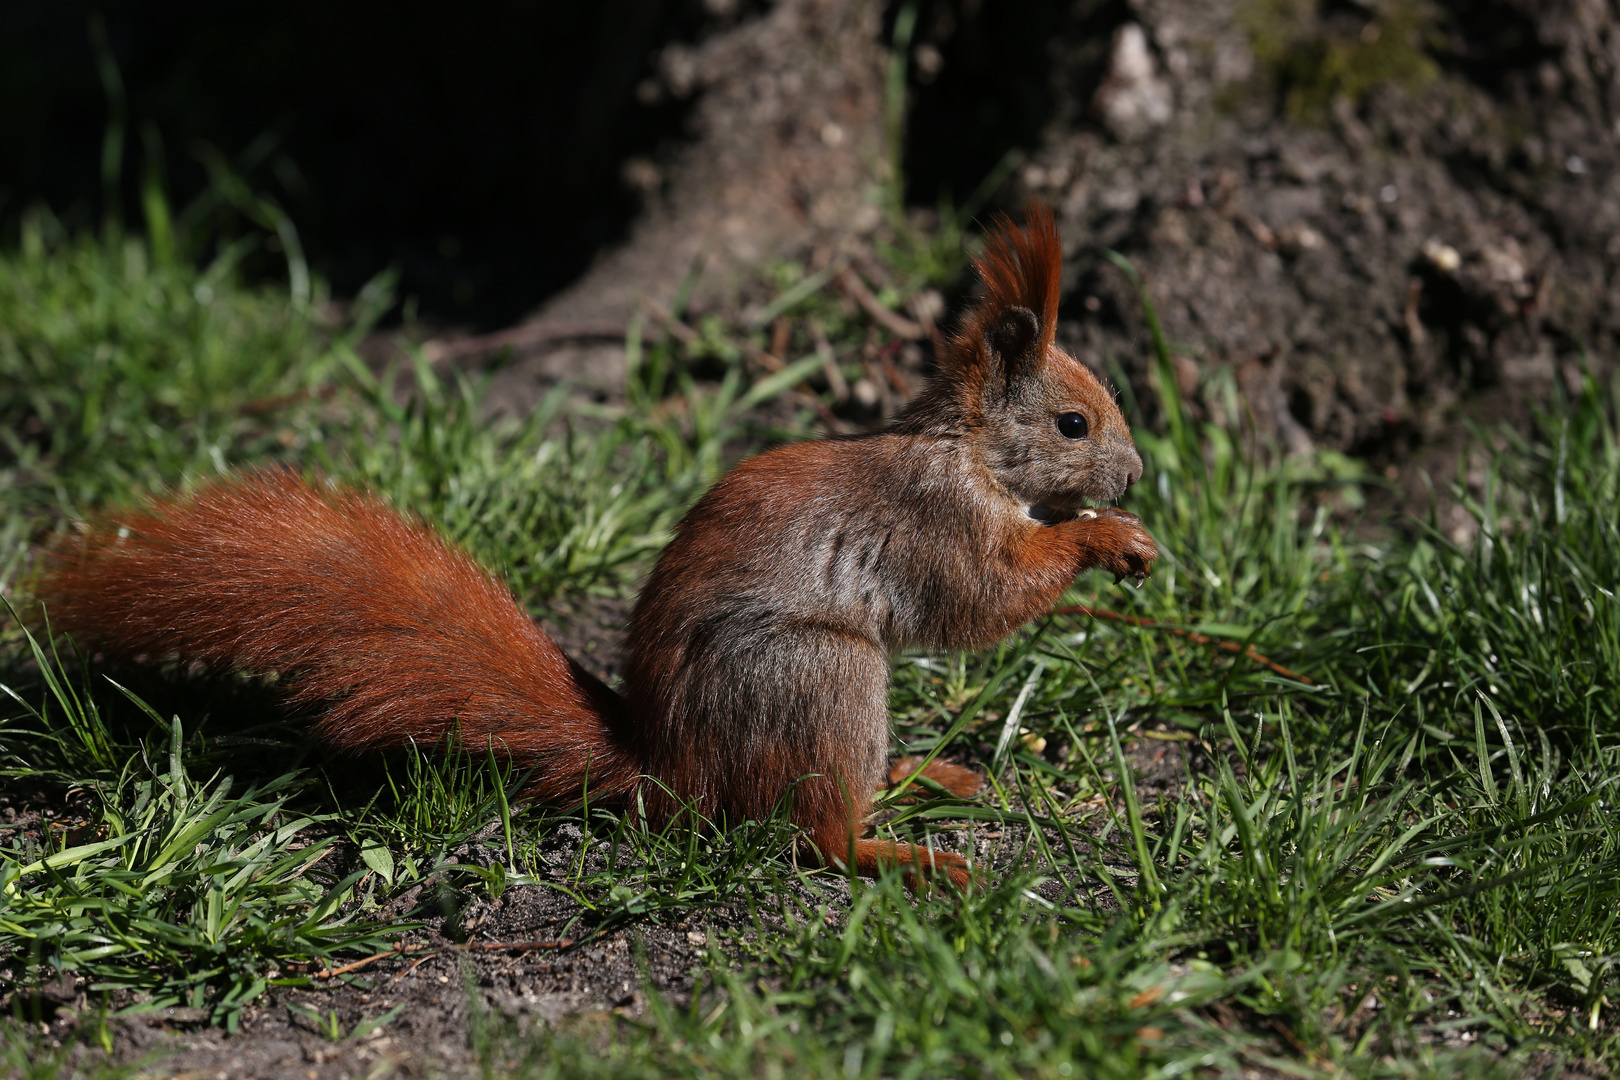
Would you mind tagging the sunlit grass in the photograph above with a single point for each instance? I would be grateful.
(1389, 849)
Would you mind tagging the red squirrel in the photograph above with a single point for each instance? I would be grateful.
(758, 652)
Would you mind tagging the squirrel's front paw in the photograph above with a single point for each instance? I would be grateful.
(1127, 549)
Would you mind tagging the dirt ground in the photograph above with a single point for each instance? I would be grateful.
(1361, 260)
(532, 957)
(446, 970)
(1362, 223)
(504, 958)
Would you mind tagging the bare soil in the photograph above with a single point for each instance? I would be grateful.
(529, 959)
(1363, 261)
(494, 963)
(1362, 224)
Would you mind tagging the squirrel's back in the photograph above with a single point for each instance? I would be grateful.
(398, 635)
(880, 534)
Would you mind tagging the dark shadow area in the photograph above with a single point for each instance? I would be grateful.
(1495, 44)
(479, 150)
(236, 725)
(988, 79)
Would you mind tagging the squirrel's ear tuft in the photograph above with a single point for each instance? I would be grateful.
(1021, 269)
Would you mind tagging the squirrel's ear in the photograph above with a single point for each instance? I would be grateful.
(1011, 342)
(1004, 339)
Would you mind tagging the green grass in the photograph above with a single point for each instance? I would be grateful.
(1310, 55)
(1407, 866)
(120, 370)
(184, 892)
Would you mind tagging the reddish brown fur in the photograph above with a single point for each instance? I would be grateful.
(1020, 268)
(397, 634)
(758, 652)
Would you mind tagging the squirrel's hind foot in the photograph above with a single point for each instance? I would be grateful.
(919, 866)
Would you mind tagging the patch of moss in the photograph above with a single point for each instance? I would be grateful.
(1313, 52)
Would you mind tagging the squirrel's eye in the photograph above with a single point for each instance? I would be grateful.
(1072, 425)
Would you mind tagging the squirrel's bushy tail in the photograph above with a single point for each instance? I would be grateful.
(397, 634)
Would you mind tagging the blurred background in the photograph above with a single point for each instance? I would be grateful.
(1372, 217)
(481, 154)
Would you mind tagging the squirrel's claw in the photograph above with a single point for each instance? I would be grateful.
(1133, 553)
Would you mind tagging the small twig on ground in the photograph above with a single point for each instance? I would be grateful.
(1191, 635)
(413, 967)
(850, 283)
(526, 336)
(901, 384)
(402, 949)
(1286, 1032)
(663, 317)
(829, 419)
(688, 336)
(513, 946)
